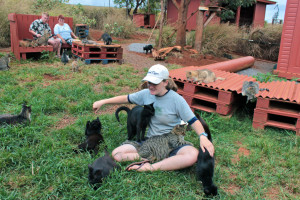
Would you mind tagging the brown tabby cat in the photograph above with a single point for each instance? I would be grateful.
(4, 62)
(43, 40)
(202, 75)
(159, 147)
(250, 89)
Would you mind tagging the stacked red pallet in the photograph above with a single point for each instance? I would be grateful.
(279, 107)
(219, 96)
(97, 51)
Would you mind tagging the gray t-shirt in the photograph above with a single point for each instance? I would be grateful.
(170, 109)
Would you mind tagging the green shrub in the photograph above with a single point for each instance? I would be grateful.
(117, 25)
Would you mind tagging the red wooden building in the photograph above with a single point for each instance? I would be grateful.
(253, 15)
(144, 20)
(289, 54)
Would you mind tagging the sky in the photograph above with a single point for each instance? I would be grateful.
(270, 11)
(93, 2)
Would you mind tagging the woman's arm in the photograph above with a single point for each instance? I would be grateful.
(73, 35)
(62, 39)
(204, 142)
(114, 100)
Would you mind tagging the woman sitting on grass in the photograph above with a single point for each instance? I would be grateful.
(63, 31)
(170, 109)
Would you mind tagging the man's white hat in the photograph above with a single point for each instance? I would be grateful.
(156, 74)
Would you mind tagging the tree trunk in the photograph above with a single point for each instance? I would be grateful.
(199, 30)
(182, 17)
(162, 14)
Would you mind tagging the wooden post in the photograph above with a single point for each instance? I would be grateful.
(162, 2)
(199, 30)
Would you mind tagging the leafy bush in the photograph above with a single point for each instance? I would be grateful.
(116, 24)
(81, 16)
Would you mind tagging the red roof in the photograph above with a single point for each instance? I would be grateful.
(266, 1)
(280, 90)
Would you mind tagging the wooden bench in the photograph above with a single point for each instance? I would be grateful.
(19, 30)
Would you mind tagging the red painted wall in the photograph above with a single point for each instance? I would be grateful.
(139, 20)
(172, 14)
(289, 53)
(259, 14)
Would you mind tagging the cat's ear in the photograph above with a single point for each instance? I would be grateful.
(90, 168)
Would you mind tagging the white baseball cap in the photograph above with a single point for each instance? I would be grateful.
(156, 74)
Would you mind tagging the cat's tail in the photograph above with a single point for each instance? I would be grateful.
(205, 126)
(220, 78)
(119, 109)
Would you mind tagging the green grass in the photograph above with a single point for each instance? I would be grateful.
(37, 161)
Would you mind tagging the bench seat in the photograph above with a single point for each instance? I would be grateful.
(19, 30)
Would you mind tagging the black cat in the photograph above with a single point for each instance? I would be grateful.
(106, 38)
(147, 48)
(205, 165)
(137, 120)
(100, 169)
(93, 137)
(23, 117)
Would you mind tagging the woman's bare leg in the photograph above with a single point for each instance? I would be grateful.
(185, 157)
(125, 152)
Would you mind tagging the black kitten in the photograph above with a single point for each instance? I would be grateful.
(93, 137)
(137, 120)
(106, 38)
(100, 169)
(147, 48)
(23, 117)
(205, 165)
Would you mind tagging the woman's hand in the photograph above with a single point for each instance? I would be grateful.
(63, 41)
(204, 142)
(97, 105)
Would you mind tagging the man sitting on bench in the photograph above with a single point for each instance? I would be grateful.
(37, 28)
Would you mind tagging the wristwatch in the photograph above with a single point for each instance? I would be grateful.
(205, 134)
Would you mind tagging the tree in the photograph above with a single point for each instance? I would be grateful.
(182, 8)
(146, 6)
(231, 6)
(162, 15)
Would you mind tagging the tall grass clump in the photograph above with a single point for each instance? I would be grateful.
(261, 42)
(218, 39)
(6, 7)
(167, 41)
(116, 24)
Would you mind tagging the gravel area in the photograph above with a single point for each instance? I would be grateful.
(133, 56)
(137, 47)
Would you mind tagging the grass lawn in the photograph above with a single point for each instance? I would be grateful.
(37, 161)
